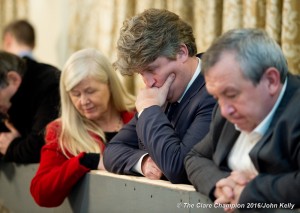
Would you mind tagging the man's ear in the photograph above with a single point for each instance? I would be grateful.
(14, 79)
(273, 80)
(183, 53)
(7, 41)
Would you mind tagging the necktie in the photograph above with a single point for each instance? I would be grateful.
(171, 110)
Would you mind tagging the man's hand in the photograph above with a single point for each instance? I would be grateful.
(241, 179)
(153, 96)
(100, 164)
(150, 169)
(228, 190)
(224, 191)
(7, 137)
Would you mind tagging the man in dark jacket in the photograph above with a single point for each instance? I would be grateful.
(29, 100)
(251, 156)
(174, 109)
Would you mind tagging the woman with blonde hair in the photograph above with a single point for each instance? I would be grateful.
(94, 107)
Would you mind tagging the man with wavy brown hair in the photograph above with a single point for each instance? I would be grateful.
(174, 108)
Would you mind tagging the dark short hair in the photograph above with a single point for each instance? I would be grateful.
(23, 32)
(10, 62)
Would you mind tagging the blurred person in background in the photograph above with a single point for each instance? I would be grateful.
(19, 38)
(29, 100)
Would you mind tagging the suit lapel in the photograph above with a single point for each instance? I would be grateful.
(192, 91)
(227, 139)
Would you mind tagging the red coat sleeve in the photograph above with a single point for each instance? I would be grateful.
(56, 174)
(127, 116)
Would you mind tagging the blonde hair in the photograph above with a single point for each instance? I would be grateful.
(75, 136)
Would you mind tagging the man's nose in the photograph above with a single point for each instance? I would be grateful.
(226, 109)
(148, 80)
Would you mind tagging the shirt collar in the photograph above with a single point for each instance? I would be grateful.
(264, 125)
(196, 73)
(26, 54)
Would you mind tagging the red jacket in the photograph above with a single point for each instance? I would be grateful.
(57, 174)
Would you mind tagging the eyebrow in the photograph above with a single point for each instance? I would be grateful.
(149, 66)
(228, 89)
(84, 89)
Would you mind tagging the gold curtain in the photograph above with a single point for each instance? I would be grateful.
(11, 10)
(290, 34)
(96, 23)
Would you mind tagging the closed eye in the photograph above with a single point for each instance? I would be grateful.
(75, 94)
(90, 91)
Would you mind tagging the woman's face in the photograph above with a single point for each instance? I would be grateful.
(91, 98)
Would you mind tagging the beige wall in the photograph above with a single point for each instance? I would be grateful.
(50, 19)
